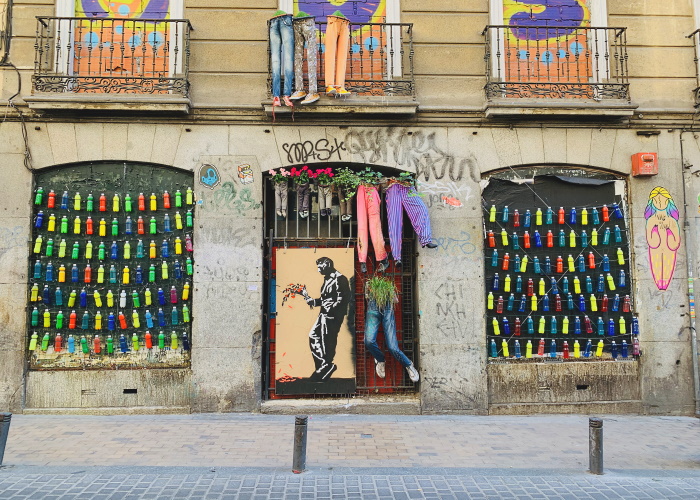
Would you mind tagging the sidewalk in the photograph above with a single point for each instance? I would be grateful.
(532, 455)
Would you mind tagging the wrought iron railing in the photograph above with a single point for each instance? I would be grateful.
(695, 35)
(380, 60)
(136, 56)
(556, 62)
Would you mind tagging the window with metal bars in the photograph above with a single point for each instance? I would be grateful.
(330, 231)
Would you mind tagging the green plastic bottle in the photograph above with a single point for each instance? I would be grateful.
(49, 248)
(110, 345)
(33, 341)
(127, 203)
(161, 340)
(45, 342)
(173, 340)
(84, 345)
(185, 314)
(35, 317)
(115, 227)
(136, 299)
(189, 219)
(90, 206)
(59, 320)
(101, 251)
(39, 198)
(190, 269)
(178, 198)
(152, 226)
(76, 251)
(135, 342)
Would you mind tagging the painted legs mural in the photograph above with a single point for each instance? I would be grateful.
(663, 235)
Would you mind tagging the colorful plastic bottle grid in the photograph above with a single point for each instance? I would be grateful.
(558, 283)
(111, 273)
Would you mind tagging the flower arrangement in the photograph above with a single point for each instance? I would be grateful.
(347, 180)
(281, 176)
(324, 176)
(302, 175)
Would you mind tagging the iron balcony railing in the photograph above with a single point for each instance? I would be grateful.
(695, 36)
(135, 56)
(380, 60)
(556, 62)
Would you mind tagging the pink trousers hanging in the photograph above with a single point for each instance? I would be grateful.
(368, 220)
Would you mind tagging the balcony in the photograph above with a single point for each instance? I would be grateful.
(379, 72)
(695, 35)
(556, 70)
(111, 64)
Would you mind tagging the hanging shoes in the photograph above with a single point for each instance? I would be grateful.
(310, 98)
(363, 267)
(430, 245)
(380, 368)
(287, 101)
(412, 373)
(275, 103)
(383, 265)
(299, 94)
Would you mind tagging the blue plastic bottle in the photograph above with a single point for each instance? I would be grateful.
(596, 216)
(601, 326)
(565, 284)
(606, 263)
(553, 283)
(530, 326)
(514, 239)
(581, 262)
(587, 351)
(611, 327)
(616, 303)
(58, 300)
(149, 319)
(553, 349)
(589, 284)
(547, 265)
(494, 349)
(622, 281)
(111, 324)
(511, 302)
(523, 302)
(528, 218)
(71, 344)
(577, 325)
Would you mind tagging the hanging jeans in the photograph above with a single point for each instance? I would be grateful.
(399, 197)
(368, 210)
(305, 31)
(303, 191)
(337, 42)
(373, 316)
(325, 198)
(281, 189)
(282, 53)
(345, 205)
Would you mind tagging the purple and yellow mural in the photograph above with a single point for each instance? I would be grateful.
(357, 11)
(663, 235)
(113, 43)
(544, 42)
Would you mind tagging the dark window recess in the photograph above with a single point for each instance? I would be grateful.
(581, 387)
(131, 391)
(331, 232)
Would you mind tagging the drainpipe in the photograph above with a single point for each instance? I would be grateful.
(690, 263)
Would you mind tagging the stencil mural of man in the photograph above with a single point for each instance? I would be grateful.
(334, 301)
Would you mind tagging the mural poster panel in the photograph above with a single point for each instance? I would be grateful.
(314, 331)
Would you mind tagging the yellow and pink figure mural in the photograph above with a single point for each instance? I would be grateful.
(663, 235)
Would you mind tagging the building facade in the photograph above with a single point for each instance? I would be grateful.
(494, 107)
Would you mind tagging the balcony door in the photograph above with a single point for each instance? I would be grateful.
(122, 46)
(551, 47)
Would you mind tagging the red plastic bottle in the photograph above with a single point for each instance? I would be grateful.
(88, 225)
(606, 214)
(526, 240)
(492, 239)
(499, 305)
(550, 239)
(566, 350)
(561, 215)
(516, 218)
(557, 303)
(142, 202)
(560, 264)
(57, 343)
(166, 200)
(139, 226)
(540, 348)
(626, 304)
(122, 321)
(591, 260)
(506, 262)
(530, 287)
(96, 344)
(149, 340)
(604, 303)
(517, 327)
(51, 203)
(103, 203)
(72, 319)
(589, 325)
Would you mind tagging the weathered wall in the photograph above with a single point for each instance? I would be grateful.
(227, 347)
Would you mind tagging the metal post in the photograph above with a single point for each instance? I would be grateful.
(4, 431)
(595, 445)
(299, 461)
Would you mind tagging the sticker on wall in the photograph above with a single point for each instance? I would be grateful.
(245, 174)
(314, 341)
(209, 176)
(663, 235)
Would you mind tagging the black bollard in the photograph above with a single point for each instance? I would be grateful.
(299, 461)
(595, 445)
(4, 431)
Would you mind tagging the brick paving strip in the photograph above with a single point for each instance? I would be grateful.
(224, 456)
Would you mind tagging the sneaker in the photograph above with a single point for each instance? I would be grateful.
(383, 264)
(340, 91)
(412, 373)
(279, 213)
(380, 368)
(397, 263)
(363, 267)
(299, 94)
(311, 98)
(330, 90)
(287, 102)
(346, 217)
(276, 102)
(430, 245)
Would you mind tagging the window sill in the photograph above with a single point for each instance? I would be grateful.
(502, 108)
(356, 105)
(144, 103)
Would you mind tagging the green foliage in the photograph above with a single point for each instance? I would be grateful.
(381, 290)
(347, 180)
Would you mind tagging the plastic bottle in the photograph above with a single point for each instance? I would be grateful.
(85, 324)
(490, 237)
(126, 276)
(494, 323)
(111, 322)
(186, 291)
(565, 350)
(139, 249)
(149, 319)
(127, 203)
(152, 249)
(494, 349)
(147, 297)
(577, 285)
(72, 320)
(148, 340)
(528, 349)
(530, 326)
(594, 237)
(528, 217)
(577, 349)
(506, 283)
(135, 320)
(166, 199)
(178, 225)
(189, 267)
(110, 345)
(122, 321)
(624, 349)
(98, 320)
(516, 218)
(123, 346)
(572, 238)
(161, 340)
(553, 326)
(57, 343)
(550, 239)
(97, 344)
(541, 325)
(538, 239)
(622, 325)
(153, 203)
(565, 325)
(189, 218)
(103, 203)
(587, 324)
(523, 265)
(538, 217)
(547, 265)
(587, 350)
(504, 348)
(71, 344)
(611, 327)
(600, 326)
(499, 305)
(553, 349)
(622, 280)
(112, 274)
(135, 342)
(152, 226)
(58, 300)
(504, 238)
(142, 202)
(189, 196)
(140, 226)
(526, 240)
(161, 317)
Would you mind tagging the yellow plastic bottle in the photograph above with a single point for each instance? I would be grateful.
(504, 346)
(599, 349)
(528, 349)
(565, 325)
(577, 349)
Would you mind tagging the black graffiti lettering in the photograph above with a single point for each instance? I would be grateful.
(321, 150)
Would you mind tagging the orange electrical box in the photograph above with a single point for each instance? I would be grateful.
(645, 164)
